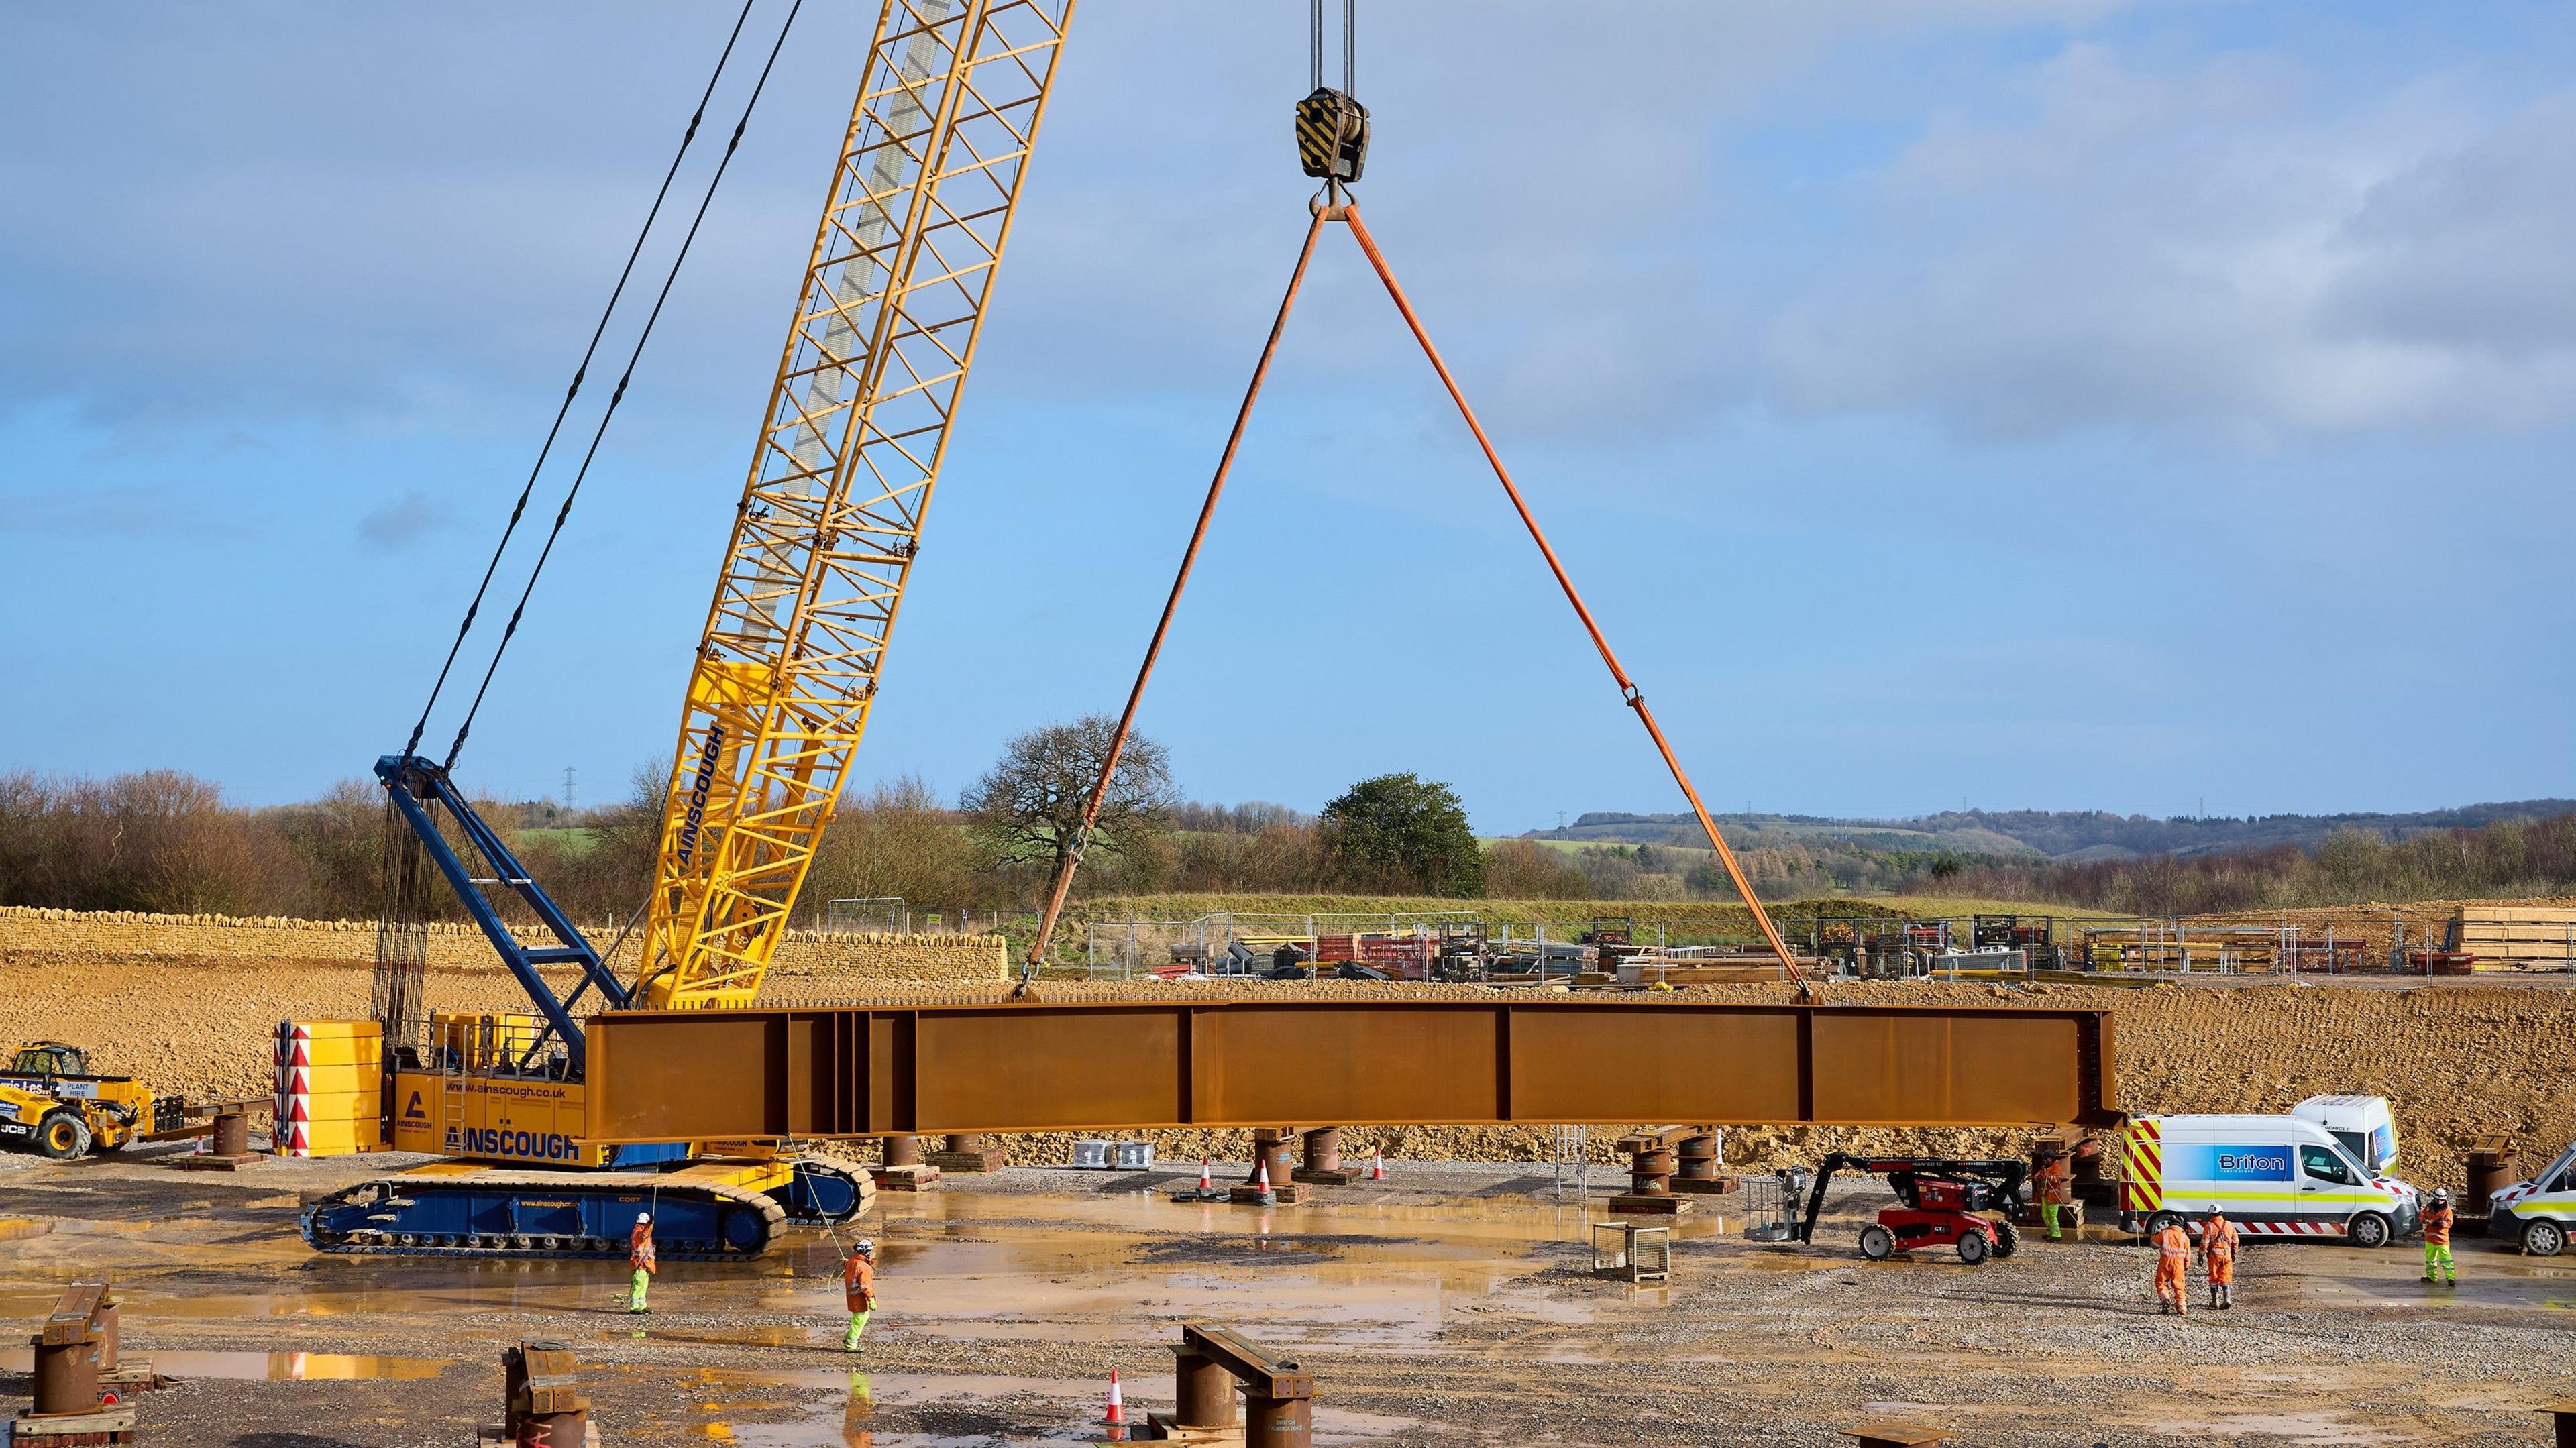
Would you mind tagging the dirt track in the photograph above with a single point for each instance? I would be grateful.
(2458, 1060)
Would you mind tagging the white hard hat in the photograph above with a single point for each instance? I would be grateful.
(2441, 1194)
(866, 1247)
(642, 1217)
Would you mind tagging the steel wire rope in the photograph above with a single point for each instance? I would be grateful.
(579, 372)
(1171, 602)
(1629, 693)
(732, 144)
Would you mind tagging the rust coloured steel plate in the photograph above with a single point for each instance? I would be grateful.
(1134, 1065)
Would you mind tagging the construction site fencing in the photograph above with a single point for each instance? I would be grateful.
(891, 915)
(1956, 947)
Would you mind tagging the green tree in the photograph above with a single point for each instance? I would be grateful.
(1027, 808)
(1403, 831)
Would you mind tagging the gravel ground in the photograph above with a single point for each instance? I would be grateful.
(1452, 1305)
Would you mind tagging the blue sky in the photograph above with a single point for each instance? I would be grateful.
(2031, 403)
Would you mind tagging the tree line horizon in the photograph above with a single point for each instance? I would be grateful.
(166, 841)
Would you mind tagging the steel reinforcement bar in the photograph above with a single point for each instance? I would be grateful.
(1132, 1065)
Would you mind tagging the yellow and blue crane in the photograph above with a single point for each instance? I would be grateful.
(887, 318)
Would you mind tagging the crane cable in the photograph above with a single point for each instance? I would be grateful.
(732, 143)
(578, 373)
(1171, 603)
(1334, 203)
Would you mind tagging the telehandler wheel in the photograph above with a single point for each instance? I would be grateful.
(2542, 1237)
(1974, 1248)
(62, 1135)
(1876, 1242)
(2007, 1237)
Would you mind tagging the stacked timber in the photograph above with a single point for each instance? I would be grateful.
(330, 1088)
(2515, 937)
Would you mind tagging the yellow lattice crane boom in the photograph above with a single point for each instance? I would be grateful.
(850, 448)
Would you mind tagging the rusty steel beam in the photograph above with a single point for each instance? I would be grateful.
(1128, 1065)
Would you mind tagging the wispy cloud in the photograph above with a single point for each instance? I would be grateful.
(2206, 246)
(404, 521)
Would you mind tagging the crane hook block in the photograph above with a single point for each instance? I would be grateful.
(1332, 135)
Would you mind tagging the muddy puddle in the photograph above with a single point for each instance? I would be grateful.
(268, 1366)
(966, 1411)
(1352, 1274)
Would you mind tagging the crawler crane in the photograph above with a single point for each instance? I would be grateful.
(885, 328)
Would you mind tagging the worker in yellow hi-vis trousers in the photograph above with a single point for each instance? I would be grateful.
(2437, 1238)
(639, 1256)
(859, 1290)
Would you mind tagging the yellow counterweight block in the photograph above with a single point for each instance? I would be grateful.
(492, 1118)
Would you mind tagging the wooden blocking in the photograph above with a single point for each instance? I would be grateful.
(99, 1426)
(1287, 1194)
(919, 1176)
(132, 1375)
(1716, 1186)
(1340, 1176)
(990, 1159)
(2563, 1416)
(1166, 1428)
(545, 1406)
(967, 1153)
(1895, 1435)
(1650, 1204)
(73, 1314)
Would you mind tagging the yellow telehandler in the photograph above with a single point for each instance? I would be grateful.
(51, 1104)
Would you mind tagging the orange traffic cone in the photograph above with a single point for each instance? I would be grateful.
(1261, 1183)
(1117, 1415)
(1204, 1184)
(1377, 1165)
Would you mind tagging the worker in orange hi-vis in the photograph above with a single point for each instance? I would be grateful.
(859, 1290)
(2056, 1192)
(2173, 1260)
(2437, 1237)
(2218, 1242)
(639, 1257)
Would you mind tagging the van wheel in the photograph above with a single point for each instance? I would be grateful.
(1876, 1242)
(2369, 1230)
(2542, 1237)
(2162, 1220)
(62, 1135)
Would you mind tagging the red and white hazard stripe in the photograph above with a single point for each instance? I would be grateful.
(294, 1094)
(2311, 1228)
(2142, 1176)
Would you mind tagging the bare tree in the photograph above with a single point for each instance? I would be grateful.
(1027, 808)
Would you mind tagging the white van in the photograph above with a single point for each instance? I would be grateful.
(2363, 1124)
(2274, 1176)
(2539, 1213)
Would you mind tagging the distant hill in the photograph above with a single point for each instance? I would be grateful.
(2070, 835)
